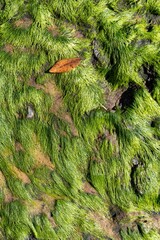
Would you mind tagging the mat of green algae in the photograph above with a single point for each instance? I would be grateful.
(79, 151)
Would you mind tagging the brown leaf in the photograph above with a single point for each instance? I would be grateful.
(65, 65)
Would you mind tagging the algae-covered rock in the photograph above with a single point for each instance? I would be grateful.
(79, 119)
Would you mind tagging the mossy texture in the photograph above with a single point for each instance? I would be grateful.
(80, 150)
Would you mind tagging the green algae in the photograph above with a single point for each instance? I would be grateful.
(80, 140)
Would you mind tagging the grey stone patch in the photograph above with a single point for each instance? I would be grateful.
(135, 161)
(99, 54)
(30, 112)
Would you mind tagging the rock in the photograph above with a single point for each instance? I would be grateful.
(30, 113)
(112, 98)
(135, 161)
(98, 54)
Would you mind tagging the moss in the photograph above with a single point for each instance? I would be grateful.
(15, 222)
(72, 138)
(43, 228)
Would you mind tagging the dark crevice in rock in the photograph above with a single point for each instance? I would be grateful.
(150, 28)
(109, 5)
(156, 123)
(2, 6)
(153, 11)
(116, 213)
(128, 96)
(140, 229)
(149, 75)
(112, 59)
(133, 170)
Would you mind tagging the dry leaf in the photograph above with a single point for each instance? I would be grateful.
(65, 65)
